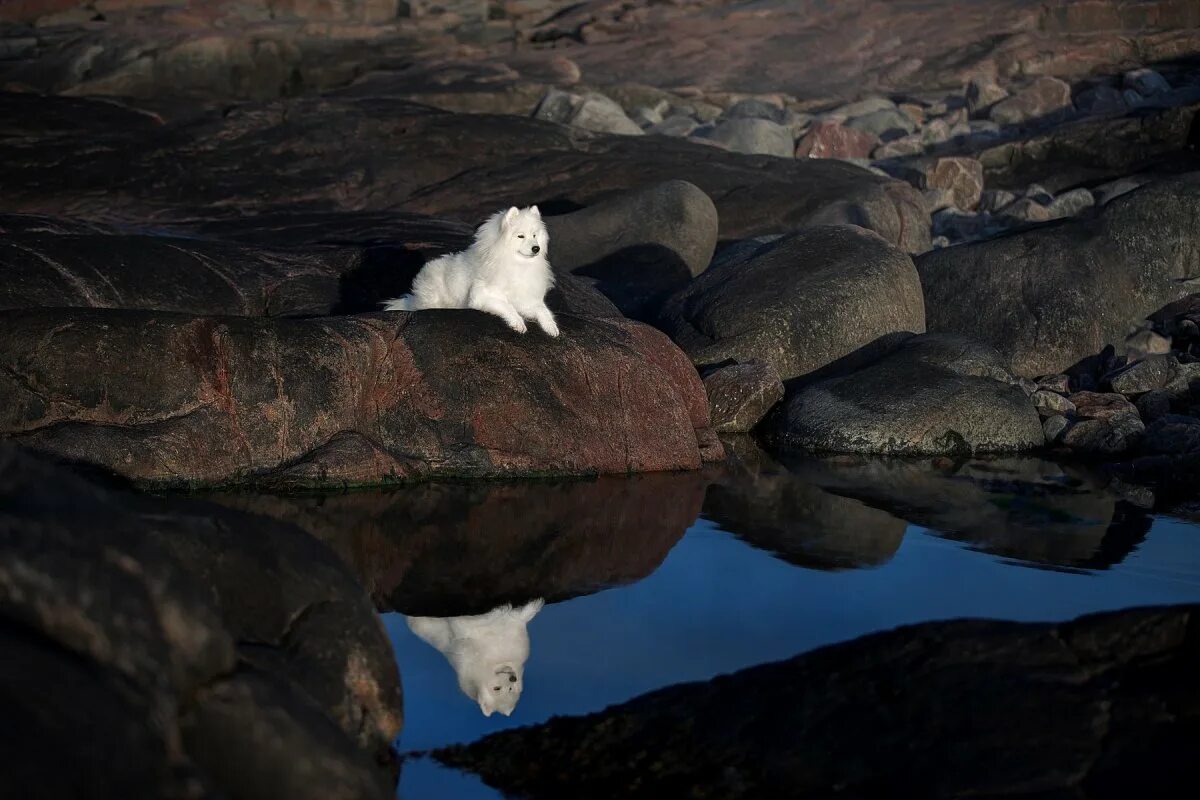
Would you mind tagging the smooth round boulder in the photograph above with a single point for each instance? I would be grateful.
(638, 246)
(932, 395)
(1049, 297)
(754, 136)
(799, 302)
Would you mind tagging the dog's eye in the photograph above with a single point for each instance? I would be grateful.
(495, 688)
(520, 236)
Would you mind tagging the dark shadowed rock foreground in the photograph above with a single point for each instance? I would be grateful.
(173, 399)
(174, 648)
(1094, 708)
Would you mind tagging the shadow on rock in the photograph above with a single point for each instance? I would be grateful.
(761, 502)
(452, 549)
(1034, 511)
(1099, 707)
(167, 644)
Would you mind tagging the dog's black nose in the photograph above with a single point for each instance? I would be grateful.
(536, 249)
(513, 678)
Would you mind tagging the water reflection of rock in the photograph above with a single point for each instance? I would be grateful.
(1100, 707)
(449, 549)
(761, 502)
(1036, 511)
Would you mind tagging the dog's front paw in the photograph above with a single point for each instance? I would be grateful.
(546, 320)
(518, 325)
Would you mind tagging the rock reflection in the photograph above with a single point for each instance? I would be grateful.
(1038, 512)
(487, 651)
(761, 502)
(449, 549)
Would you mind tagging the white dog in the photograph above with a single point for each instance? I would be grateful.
(488, 652)
(505, 272)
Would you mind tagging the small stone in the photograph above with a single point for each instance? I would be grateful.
(753, 108)
(1146, 82)
(646, 117)
(1055, 383)
(797, 122)
(833, 140)
(1148, 374)
(937, 199)
(1050, 403)
(982, 94)
(863, 107)
(1054, 427)
(1172, 434)
(900, 148)
(962, 177)
(886, 124)
(1154, 404)
(1100, 405)
(602, 115)
(754, 137)
(1045, 97)
(675, 126)
(939, 242)
(1113, 189)
(1069, 204)
(937, 131)
(1027, 210)
(914, 112)
(1132, 98)
(740, 395)
(1038, 193)
(1146, 343)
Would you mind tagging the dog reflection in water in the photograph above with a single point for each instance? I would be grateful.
(488, 652)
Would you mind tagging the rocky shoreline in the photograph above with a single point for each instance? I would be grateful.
(889, 244)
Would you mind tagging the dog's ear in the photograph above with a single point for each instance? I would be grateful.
(510, 215)
(534, 210)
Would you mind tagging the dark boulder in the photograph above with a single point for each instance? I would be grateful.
(638, 246)
(740, 395)
(799, 302)
(172, 399)
(170, 645)
(1096, 707)
(933, 394)
(1049, 297)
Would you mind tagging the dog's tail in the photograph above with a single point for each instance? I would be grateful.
(406, 303)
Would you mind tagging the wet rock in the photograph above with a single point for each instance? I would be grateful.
(833, 140)
(1049, 297)
(174, 399)
(1148, 374)
(982, 94)
(1049, 403)
(923, 692)
(754, 136)
(1045, 98)
(797, 303)
(192, 645)
(1054, 427)
(1172, 434)
(740, 395)
(1145, 82)
(461, 547)
(638, 246)
(592, 112)
(931, 395)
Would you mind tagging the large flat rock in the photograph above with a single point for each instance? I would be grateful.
(180, 399)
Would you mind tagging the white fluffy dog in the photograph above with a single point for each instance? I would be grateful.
(488, 652)
(504, 272)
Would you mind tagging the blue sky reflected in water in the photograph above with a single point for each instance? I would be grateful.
(718, 604)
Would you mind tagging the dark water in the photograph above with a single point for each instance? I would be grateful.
(656, 580)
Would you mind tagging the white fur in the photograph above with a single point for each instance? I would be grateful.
(488, 652)
(500, 273)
